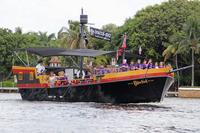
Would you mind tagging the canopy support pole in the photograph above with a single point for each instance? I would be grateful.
(81, 67)
(74, 62)
(27, 58)
(20, 58)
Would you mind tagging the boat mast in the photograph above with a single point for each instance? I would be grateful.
(83, 20)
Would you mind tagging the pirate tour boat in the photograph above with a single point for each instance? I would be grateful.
(115, 86)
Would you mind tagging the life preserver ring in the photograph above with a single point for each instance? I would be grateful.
(78, 74)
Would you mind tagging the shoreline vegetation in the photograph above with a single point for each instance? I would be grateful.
(7, 83)
(167, 32)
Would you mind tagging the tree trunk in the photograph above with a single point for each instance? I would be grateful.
(192, 83)
(178, 76)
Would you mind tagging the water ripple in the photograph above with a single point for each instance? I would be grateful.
(173, 115)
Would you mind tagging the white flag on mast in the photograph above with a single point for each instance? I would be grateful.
(140, 50)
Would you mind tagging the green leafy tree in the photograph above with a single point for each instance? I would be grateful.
(7, 45)
(151, 27)
(175, 46)
(192, 30)
(70, 37)
(45, 39)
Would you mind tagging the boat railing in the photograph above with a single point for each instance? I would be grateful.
(102, 71)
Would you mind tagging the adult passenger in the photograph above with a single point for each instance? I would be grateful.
(124, 65)
(156, 65)
(138, 64)
(40, 67)
(150, 64)
(144, 65)
(102, 70)
(161, 65)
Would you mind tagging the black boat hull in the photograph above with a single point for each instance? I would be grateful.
(130, 91)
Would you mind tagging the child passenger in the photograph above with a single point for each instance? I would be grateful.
(150, 64)
(62, 78)
(52, 79)
(138, 64)
(132, 66)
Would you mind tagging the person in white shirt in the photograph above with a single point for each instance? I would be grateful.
(40, 67)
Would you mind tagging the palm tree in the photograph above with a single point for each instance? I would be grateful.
(18, 30)
(192, 30)
(70, 37)
(175, 47)
(45, 39)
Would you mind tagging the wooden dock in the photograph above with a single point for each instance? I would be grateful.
(189, 92)
(172, 94)
(8, 90)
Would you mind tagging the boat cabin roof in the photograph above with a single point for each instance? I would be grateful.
(45, 52)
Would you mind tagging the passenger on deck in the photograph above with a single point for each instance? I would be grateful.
(132, 66)
(138, 64)
(95, 71)
(169, 66)
(144, 64)
(40, 67)
(62, 78)
(112, 69)
(156, 65)
(108, 69)
(124, 66)
(102, 70)
(52, 79)
(150, 64)
(161, 65)
(88, 73)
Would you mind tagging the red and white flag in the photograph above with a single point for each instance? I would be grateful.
(122, 48)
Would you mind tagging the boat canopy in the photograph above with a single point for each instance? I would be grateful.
(45, 52)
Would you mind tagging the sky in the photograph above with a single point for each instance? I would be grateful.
(51, 15)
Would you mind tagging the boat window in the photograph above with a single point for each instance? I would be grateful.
(31, 76)
(20, 76)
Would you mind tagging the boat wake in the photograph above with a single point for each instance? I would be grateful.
(132, 106)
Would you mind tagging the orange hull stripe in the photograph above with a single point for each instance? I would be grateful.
(134, 77)
(18, 69)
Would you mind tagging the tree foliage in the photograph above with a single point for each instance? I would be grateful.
(151, 27)
(162, 31)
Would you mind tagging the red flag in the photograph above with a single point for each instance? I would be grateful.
(119, 52)
(124, 42)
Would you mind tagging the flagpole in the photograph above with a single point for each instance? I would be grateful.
(124, 46)
(123, 56)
